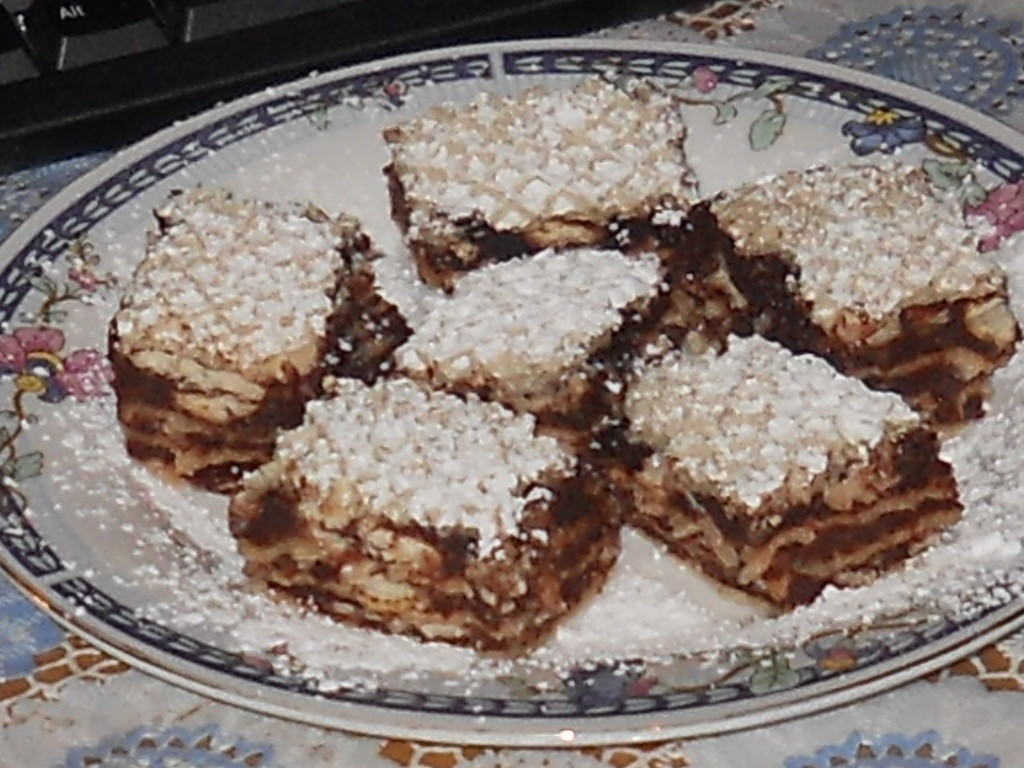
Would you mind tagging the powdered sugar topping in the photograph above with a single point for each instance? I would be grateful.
(536, 314)
(743, 421)
(398, 450)
(866, 239)
(231, 281)
(520, 160)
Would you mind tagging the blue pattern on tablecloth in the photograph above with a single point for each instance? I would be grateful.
(149, 747)
(22, 192)
(893, 750)
(24, 632)
(976, 60)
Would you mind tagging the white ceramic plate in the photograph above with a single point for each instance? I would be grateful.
(147, 571)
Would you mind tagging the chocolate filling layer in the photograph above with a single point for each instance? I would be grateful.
(946, 393)
(562, 552)
(914, 494)
(363, 332)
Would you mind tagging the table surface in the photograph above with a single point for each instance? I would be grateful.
(68, 704)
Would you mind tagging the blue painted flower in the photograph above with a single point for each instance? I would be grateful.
(893, 750)
(606, 685)
(205, 747)
(884, 130)
(25, 631)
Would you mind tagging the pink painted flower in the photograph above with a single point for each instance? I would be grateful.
(15, 348)
(704, 80)
(86, 279)
(394, 92)
(1003, 208)
(86, 374)
(32, 356)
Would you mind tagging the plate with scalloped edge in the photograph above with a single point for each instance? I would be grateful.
(148, 571)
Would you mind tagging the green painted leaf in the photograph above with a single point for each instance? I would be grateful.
(946, 174)
(766, 129)
(724, 112)
(9, 422)
(44, 284)
(320, 117)
(26, 466)
(517, 686)
(55, 316)
(774, 85)
(973, 194)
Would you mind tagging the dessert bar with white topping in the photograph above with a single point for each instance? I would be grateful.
(531, 333)
(868, 267)
(777, 475)
(502, 176)
(420, 512)
(229, 324)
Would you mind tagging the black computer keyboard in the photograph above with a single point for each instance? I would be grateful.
(77, 75)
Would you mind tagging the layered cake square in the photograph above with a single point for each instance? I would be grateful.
(870, 268)
(502, 176)
(420, 512)
(777, 475)
(536, 333)
(229, 324)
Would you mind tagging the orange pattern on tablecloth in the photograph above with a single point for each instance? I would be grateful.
(666, 754)
(408, 754)
(721, 18)
(997, 667)
(73, 658)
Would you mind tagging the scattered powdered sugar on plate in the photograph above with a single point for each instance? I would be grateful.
(166, 550)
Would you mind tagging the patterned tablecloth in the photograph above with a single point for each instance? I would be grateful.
(68, 704)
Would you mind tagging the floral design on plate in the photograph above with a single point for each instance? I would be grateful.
(893, 750)
(35, 359)
(700, 89)
(885, 131)
(1003, 208)
(144, 747)
(607, 686)
(388, 91)
(950, 168)
(976, 60)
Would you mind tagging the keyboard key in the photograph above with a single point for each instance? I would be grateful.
(15, 63)
(14, 7)
(66, 34)
(190, 20)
